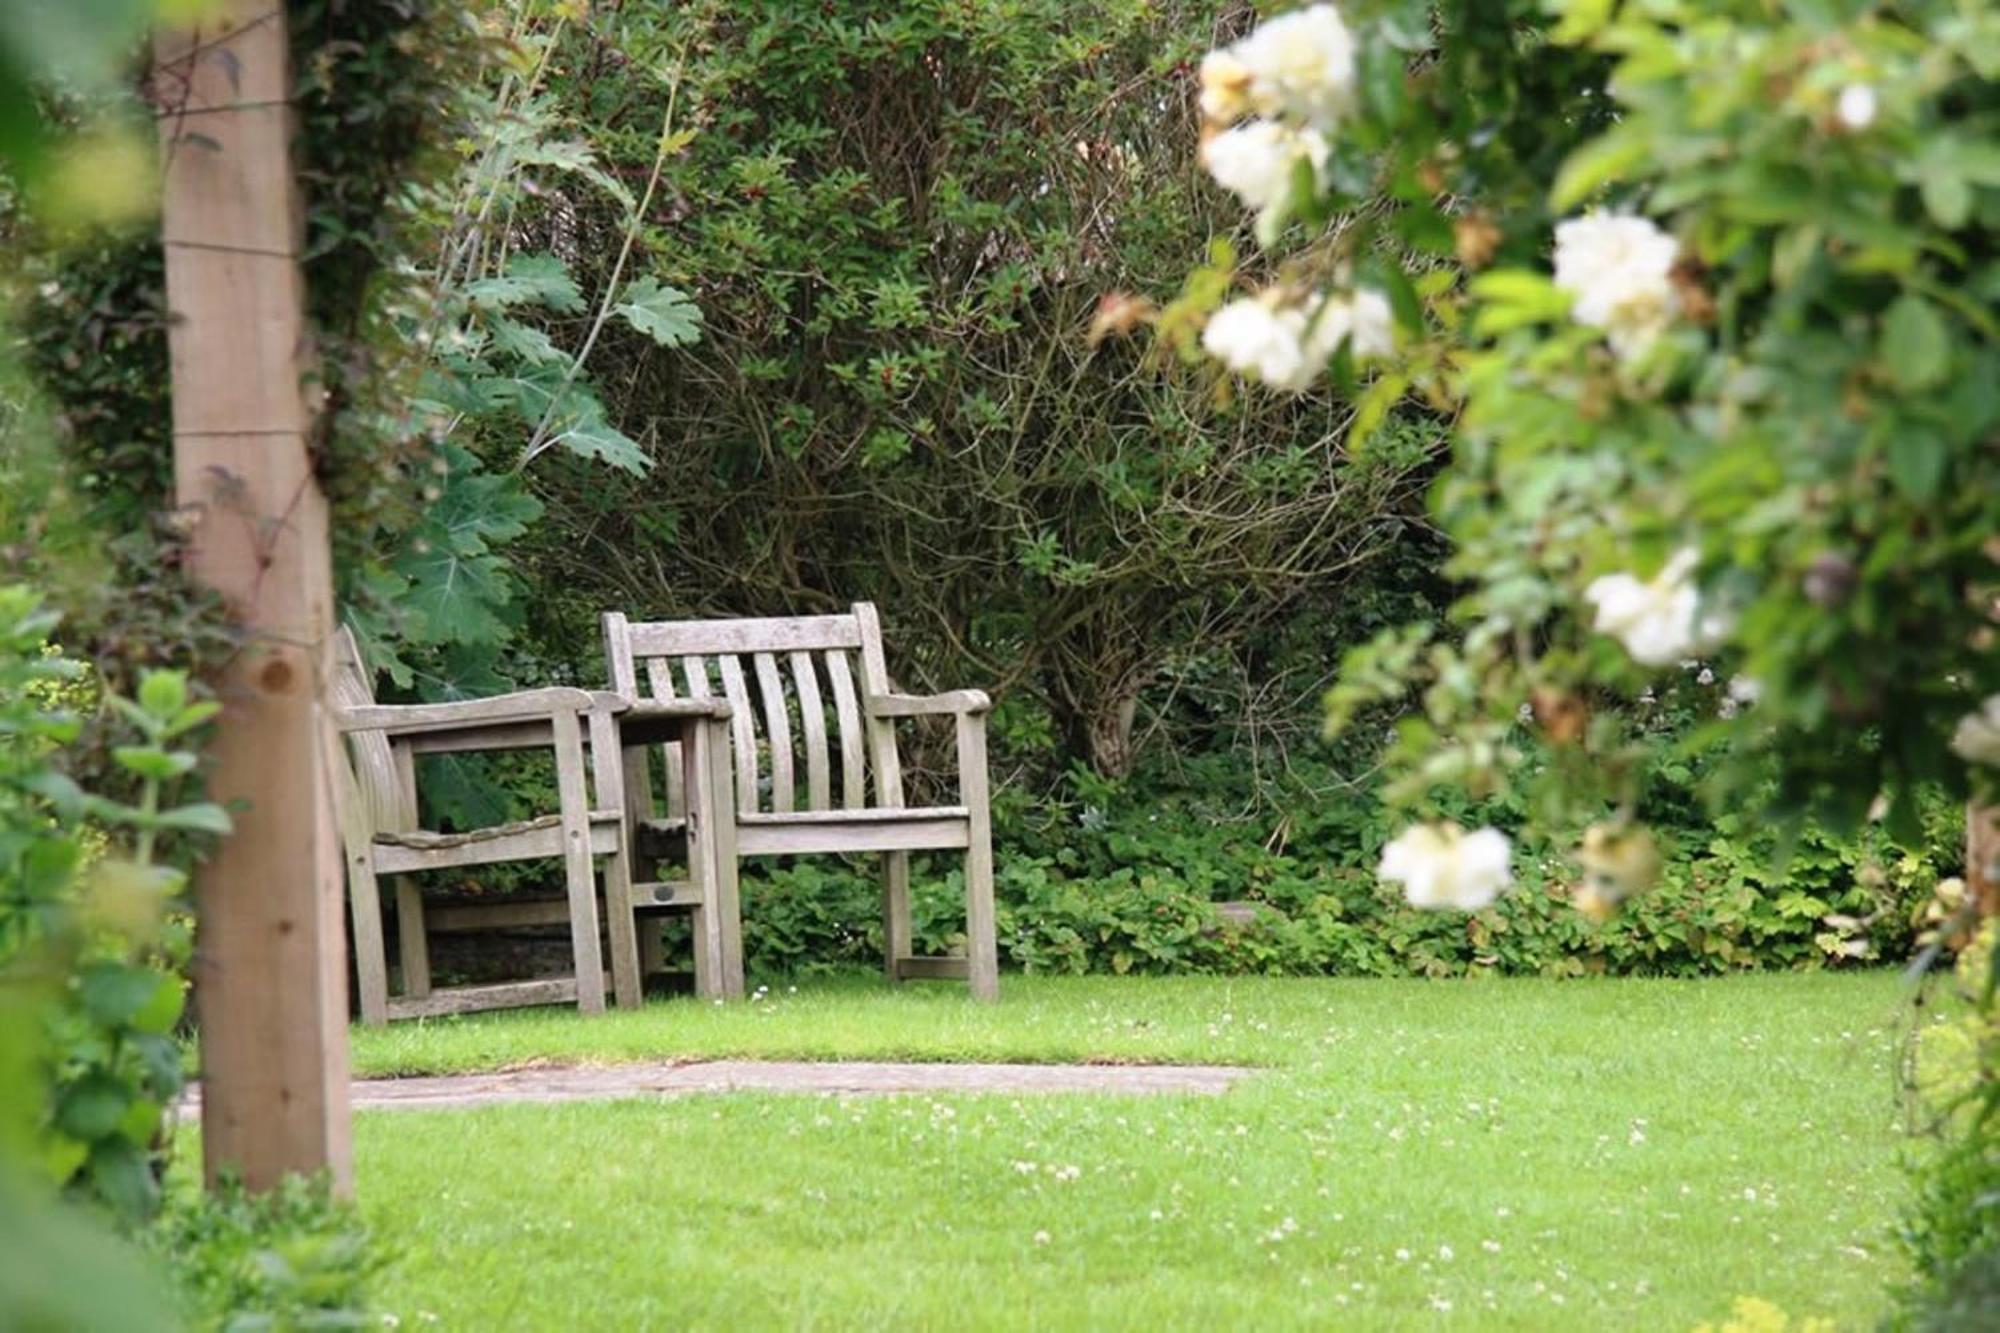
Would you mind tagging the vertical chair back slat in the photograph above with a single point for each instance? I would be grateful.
(660, 675)
(881, 732)
(812, 721)
(853, 768)
(743, 730)
(777, 729)
(375, 770)
(793, 694)
(694, 670)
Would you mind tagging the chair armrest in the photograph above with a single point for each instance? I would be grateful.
(405, 719)
(950, 703)
(646, 710)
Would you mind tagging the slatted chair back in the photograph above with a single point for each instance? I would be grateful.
(800, 739)
(372, 761)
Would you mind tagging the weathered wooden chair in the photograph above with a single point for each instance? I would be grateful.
(803, 672)
(377, 799)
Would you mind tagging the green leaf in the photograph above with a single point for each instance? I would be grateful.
(1598, 163)
(1373, 408)
(664, 314)
(191, 717)
(58, 789)
(162, 1009)
(1917, 459)
(1916, 345)
(589, 435)
(456, 584)
(91, 1108)
(1511, 298)
(112, 993)
(203, 817)
(1947, 197)
(150, 761)
(541, 279)
(163, 693)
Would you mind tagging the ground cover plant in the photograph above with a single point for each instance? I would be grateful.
(1524, 1154)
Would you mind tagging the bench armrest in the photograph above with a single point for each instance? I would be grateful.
(646, 710)
(949, 704)
(406, 719)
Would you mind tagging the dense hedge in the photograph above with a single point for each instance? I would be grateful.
(1131, 880)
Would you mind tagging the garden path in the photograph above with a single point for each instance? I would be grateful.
(553, 1083)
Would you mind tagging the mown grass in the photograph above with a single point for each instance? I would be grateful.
(1603, 1154)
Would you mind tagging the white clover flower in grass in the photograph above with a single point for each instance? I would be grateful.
(1977, 738)
(1443, 866)
(1619, 268)
(1659, 620)
(1254, 161)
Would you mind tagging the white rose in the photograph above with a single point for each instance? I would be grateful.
(1856, 107)
(1659, 620)
(1977, 739)
(1301, 65)
(1361, 320)
(1618, 268)
(1256, 337)
(1225, 88)
(1374, 333)
(1254, 161)
(1442, 866)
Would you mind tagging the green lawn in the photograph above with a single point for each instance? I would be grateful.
(1603, 1154)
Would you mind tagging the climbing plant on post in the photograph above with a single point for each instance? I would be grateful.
(270, 975)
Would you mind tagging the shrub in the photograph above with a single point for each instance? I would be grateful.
(1128, 877)
(290, 1258)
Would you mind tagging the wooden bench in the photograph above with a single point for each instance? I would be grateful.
(381, 837)
(811, 721)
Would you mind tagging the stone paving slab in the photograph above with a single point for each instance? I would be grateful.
(827, 1078)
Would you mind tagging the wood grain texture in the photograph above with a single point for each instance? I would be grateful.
(777, 729)
(270, 974)
(742, 729)
(707, 638)
(812, 721)
(847, 711)
(578, 875)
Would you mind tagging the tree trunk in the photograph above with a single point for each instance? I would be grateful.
(270, 968)
(1982, 857)
(1108, 733)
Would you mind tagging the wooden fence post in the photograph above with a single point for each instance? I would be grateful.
(270, 963)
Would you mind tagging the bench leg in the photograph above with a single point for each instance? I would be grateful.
(982, 949)
(371, 964)
(895, 911)
(413, 943)
(578, 870)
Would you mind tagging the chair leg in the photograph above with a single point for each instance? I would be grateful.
(413, 944)
(703, 862)
(722, 895)
(652, 950)
(622, 927)
(371, 965)
(896, 929)
(983, 967)
(981, 946)
(706, 944)
(578, 871)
